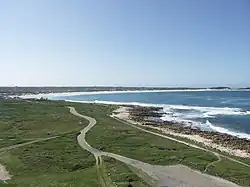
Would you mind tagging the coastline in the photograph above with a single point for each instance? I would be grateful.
(221, 142)
(60, 94)
(166, 117)
(209, 111)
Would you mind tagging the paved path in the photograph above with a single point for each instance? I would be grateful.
(171, 176)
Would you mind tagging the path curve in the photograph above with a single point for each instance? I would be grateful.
(171, 176)
(212, 164)
(84, 144)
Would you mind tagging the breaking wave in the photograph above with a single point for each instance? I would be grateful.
(187, 115)
(227, 131)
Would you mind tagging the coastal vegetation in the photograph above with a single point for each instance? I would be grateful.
(60, 161)
(57, 162)
(36, 119)
(54, 162)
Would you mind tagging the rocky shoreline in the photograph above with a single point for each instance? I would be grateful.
(150, 116)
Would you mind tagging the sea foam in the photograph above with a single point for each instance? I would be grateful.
(172, 115)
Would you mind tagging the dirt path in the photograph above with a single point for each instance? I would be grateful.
(26, 143)
(182, 142)
(4, 174)
(171, 176)
(212, 163)
(97, 153)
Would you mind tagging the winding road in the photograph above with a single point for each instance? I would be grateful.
(171, 176)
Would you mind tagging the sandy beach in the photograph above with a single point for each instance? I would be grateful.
(74, 93)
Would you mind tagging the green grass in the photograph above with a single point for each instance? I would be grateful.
(121, 174)
(56, 162)
(61, 161)
(246, 160)
(22, 119)
(10, 142)
(232, 171)
(225, 154)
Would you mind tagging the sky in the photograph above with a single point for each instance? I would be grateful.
(195, 43)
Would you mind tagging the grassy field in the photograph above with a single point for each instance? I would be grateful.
(23, 119)
(113, 136)
(56, 162)
(10, 142)
(244, 160)
(232, 171)
(121, 174)
(61, 161)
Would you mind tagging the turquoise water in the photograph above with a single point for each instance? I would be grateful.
(223, 111)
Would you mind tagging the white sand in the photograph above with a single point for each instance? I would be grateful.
(56, 94)
(122, 113)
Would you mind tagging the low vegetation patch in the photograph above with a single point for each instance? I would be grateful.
(121, 174)
(33, 119)
(62, 162)
(54, 162)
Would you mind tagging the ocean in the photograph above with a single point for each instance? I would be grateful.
(222, 111)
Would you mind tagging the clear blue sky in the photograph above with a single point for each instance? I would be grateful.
(125, 42)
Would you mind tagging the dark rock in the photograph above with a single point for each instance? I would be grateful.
(147, 116)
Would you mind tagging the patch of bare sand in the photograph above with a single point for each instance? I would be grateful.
(123, 114)
(4, 174)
